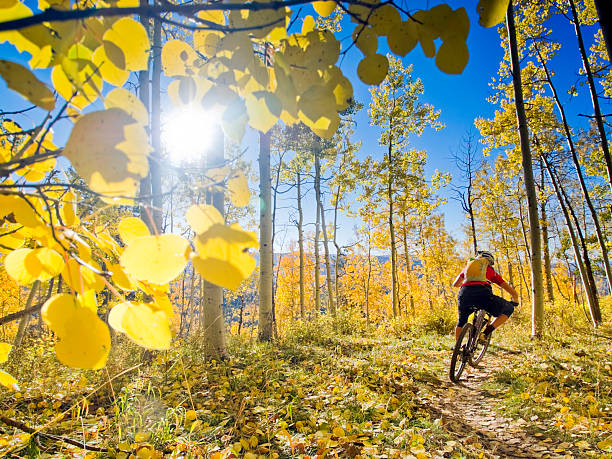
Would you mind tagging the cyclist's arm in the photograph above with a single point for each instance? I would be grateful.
(510, 289)
(459, 280)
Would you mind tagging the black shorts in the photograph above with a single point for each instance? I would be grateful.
(474, 297)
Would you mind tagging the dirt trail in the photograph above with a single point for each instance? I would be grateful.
(468, 410)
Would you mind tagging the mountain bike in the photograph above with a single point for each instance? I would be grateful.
(468, 348)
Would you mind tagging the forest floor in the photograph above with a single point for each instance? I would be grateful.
(324, 391)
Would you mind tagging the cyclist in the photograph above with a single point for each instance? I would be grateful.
(476, 292)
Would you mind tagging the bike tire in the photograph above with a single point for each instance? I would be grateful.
(461, 353)
(479, 348)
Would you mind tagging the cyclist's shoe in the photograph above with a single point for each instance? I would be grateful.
(484, 338)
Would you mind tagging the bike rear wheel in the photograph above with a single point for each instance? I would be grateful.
(461, 353)
(479, 348)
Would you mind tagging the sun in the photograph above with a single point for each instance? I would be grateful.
(188, 132)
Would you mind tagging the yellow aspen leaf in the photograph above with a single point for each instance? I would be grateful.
(109, 150)
(178, 58)
(322, 49)
(130, 228)
(86, 342)
(234, 119)
(65, 85)
(214, 16)
(327, 129)
(453, 55)
(68, 210)
(147, 328)
(80, 278)
(17, 11)
(23, 209)
(121, 279)
(384, 19)
(279, 31)
(27, 265)
(88, 300)
(459, 25)
(365, 39)
(7, 3)
(207, 41)
(108, 70)
(373, 69)
(316, 106)
(129, 103)
(5, 349)
(202, 216)
(56, 309)
(491, 12)
(8, 381)
(10, 239)
(131, 37)
(238, 188)
(115, 316)
(221, 255)
(439, 19)
(20, 79)
(308, 24)
(114, 54)
(403, 39)
(338, 432)
(156, 259)
(343, 93)
(263, 108)
(83, 339)
(162, 303)
(324, 8)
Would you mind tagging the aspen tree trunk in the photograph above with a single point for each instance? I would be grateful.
(367, 296)
(595, 311)
(214, 320)
(317, 267)
(266, 319)
(330, 290)
(547, 266)
(338, 251)
(144, 93)
(301, 243)
(274, 279)
(586, 282)
(537, 294)
(394, 282)
(25, 320)
(523, 229)
(155, 163)
(408, 267)
(583, 187)
(595, 100)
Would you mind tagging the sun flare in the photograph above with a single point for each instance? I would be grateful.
(187, 133)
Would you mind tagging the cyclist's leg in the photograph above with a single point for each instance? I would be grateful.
(465, 305)
(500, 309)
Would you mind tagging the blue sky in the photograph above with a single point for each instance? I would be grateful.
(461, 98)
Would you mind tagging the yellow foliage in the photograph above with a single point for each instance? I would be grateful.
(156, 259)
(23, 81)
(27, 265)
(147, 328)
(222, 256)
(109, 150)
(83, 339)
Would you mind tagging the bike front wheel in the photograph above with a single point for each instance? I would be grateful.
(461, 353)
